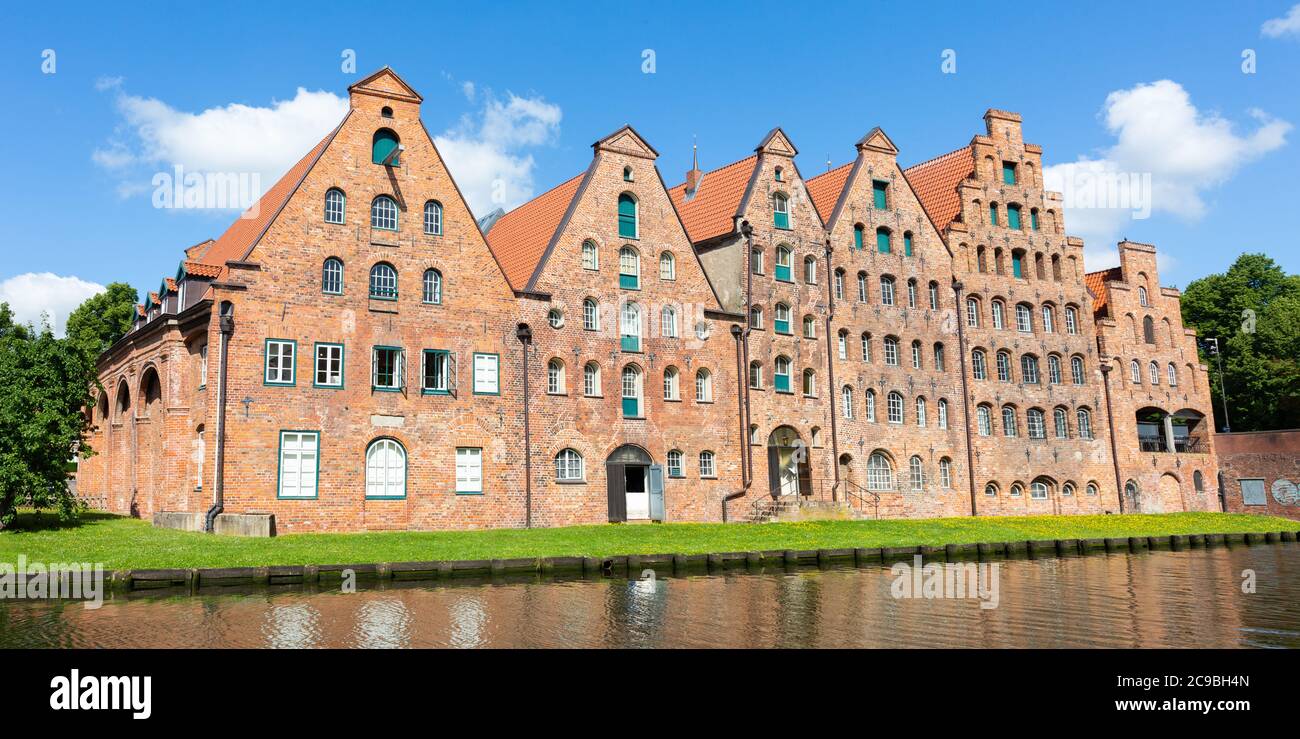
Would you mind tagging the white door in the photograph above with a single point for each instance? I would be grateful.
(638, 497)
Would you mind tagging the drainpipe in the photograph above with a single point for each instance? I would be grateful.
(747, 456)
(525, 336)
(830, 369)
(965, 396)
(1110, 431)
(227, 327)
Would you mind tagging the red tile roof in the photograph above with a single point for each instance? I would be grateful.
(935, 182)
(519, 238)
(199, 269)
(243, 234)
(1096, 284)
(825, 189)
(711, 211)
(171, 284)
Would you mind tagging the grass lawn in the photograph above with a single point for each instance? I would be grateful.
(127, 543)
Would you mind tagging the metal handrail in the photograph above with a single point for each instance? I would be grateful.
(852, 492)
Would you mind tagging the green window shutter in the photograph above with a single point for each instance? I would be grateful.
(631, 408)
(626, 217)
(1008, 173)
(880, 194)
(782, 327)
(907, 245)
(1017, 266)
(383, 144)
(782, 383)
(781, 220)
(993, 214)
(882, 242)
(857, 237)
(1033, 219)
(783, 273)
(631, 343)
(629, 282)
(1013, 217)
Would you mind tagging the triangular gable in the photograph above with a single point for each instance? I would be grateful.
(776, 142)
(386, 83)
(877, 140)
(627, 141)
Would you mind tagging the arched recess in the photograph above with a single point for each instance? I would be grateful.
(629, 483)
(788, 469)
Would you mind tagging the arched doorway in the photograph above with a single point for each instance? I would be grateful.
(846, 472)
(628, 479)
(788, 469)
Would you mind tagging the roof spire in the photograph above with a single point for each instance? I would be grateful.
(694, 175)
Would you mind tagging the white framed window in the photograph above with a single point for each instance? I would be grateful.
(569, 466)
(810, 270)
(886, 290)
(839, 284)
(334, 205)
(943, 413)
(675, 463)
(862, 287)
(1153, 371)
(916, 471)
(972, 313)
(1076, 370)
(846, 401)
(978, 368)
(703, 386)
(1049, 320)
(1135, 372)
(299, 464)
(487, 375)
(1054, 369)
(999, 320)
(1071, 321)
(203, 367)
(1009, 425)
(672, 384)
(1061, 422)
(668, 322)
(866, 347)
(894, 407)
(945, 473)
(555, 377)
(911, 294)
(810, 330)
(590, 315)
(891, 351)
(555, 318)
(591, 380)
(707, 468)
(1173, 372)
(385, 469)
(1038, 490)
(1017, 490)
(871, 405)
(329, 365)
(469, 470)
(1034, 423)
(438, 375)
(331, 282)
(1029, 369)
(1024, 320)
(383, 213)
(934, 296)
(280, 355)
(667, 266)
(590, 255)
(1067, 490)
(1084, 423)
(880, 472)
(985, 419)
(1004, 367)
(756, 375)
(432, 286)
(916, 355)
(920, 411)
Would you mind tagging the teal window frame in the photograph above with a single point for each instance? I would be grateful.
(884, 241)
(993, 214)
(397, 213)
(279, 465)
(424, 287)
(424, 388)
(456, 471)
(628, 225)
(1008, 173)
(324, 276)
(433, 218)
(1013, 216)
(383, 295)
(907, 244)
(858, 231)
(315, 365)
(880, 194)
(780, 381)
(266, 363)
(474, 369)
(1033, 219)
(397, 369)
(781, 218)
(1018, 266)
(784, 272)
(382, 144)
(406, 468)
(780, 325)
(629, 280)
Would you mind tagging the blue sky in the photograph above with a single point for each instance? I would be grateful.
(516, 93)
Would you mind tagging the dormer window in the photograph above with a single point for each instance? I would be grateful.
(385, 148)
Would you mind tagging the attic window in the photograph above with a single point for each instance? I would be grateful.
(627, 174)
(778, 174)
(387, 112)
(383, 146)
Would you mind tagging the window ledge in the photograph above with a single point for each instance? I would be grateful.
(570, 482)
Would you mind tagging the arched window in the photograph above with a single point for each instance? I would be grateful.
(997, 308)
(433, 218)
(707, 468)
(1084, 423)
(943, 413)
(1067, 490)
(870, 396)
(839, 284)
(335, 205)
(667, 266)
(590, 315)
(383, 213)
(627, 217)
(1131, 490)
(920, 411)
(630, 327)
(555, 318)
(555, 377)
(977, 365)
(1054, 369)
(1149, 330)
(865, 342)
(991, 490)
(1092, 488)
(1153, 372)
(1024, 321)
(672, 384)
(809, 327)
(1071, 321)
(385, 469)
(756, 316)
(984, 417)
(858, 238)
(1173, 375)
(1142, 296)
(916, 473)
(591, 380)
(778, 174)
(916, 354)
(972, 312)
(1061, 421)
(631, 389)
(568, 466)
(911, 294)
(384, 148)
(938, 358)
(780, 211)
(945, 473)
(1017, 490)
(781, 374)
(1009, 425)
(781, 318)
(886, 290)
(629, 269)
(1038, 490)
(1029, 369)
(1013, 216)
(907, 243)
(675, 463)
(810, 270)
(1198, 481)
(880, 472)
(627, 174)
(590, 255)
(756, 375)
(703, 386)
(668, 322)
(756, 261)
(432, 286)
(1004, 366)
(809, 383)
(894, 406)
(1135, 372)
(1076, 370)
(891, 351)
(883, 244)
(846, 401)
(331, 282)
(383, 282)
(1034, 424)
(784, 264)
(934, 295)
(1049, 319)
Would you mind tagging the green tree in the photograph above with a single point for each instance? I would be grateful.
(1253, 310)
(45, 385)
(103, 318)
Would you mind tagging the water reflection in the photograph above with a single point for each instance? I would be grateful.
(1156, 599)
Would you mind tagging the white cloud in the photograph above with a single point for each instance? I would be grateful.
(39, 296)
(1287, 25)
(1166, 156)
(234, 138)
(483, 151)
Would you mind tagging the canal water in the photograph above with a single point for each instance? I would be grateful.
(1190, 598)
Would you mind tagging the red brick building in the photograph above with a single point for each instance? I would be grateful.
(355, 353)
(1260, 471)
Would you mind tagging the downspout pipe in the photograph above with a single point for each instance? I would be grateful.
(525, 336)
(1110, 431)
(830, 369)
(746, 454)
(965, 396)
(226, 323)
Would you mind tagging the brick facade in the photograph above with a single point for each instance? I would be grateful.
(739, 272)
(1266, 461)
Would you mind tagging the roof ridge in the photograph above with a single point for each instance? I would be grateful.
(932, 160)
